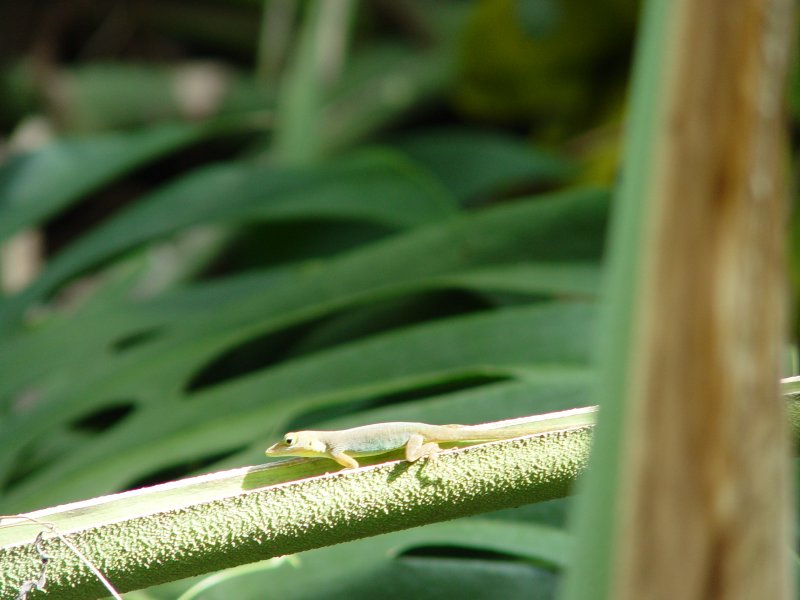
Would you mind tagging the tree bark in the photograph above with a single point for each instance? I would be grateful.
(705, 480)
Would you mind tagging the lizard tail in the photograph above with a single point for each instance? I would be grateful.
(512, 428)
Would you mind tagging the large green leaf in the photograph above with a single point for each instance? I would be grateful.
(37, 185)
(473, 163)
(377, 187)
(215, 316)
(372, 299)
(511, 343)
(190, 329)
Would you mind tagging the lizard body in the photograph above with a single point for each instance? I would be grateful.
(419, 439)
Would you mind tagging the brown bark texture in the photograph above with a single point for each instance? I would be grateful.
(707, 511)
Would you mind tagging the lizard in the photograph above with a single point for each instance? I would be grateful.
(420, 440)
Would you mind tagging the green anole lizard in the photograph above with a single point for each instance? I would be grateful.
(419, 439)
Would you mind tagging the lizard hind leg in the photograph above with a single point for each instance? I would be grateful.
(417, 448)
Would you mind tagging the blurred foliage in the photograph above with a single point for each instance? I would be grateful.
(558, 65)
(371, 215)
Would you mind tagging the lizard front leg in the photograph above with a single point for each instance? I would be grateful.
(344, 459)
(417, 448)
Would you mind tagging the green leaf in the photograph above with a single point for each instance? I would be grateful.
(377, 187)
(473, 164)
(509, 343)
(598, 506)
(37, 185)
(214, 316)
(190, 329)
(303, 86)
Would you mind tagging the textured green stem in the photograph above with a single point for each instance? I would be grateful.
(198, 525)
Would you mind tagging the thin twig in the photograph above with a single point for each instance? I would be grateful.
(39, 584)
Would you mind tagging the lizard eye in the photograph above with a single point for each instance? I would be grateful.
(288, 440)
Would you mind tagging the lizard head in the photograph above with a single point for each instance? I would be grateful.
(298, 443)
